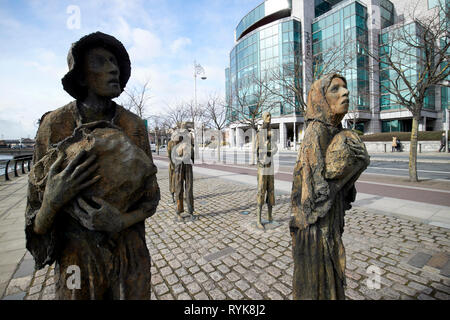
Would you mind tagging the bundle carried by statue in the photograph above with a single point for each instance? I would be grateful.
(124, 168)
(340, 158)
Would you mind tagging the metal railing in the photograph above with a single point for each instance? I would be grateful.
(17, 160)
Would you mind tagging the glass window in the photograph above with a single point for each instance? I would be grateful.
(347, 23)
(432, 3)
(347, 11)
(360, 10)
(315, 27)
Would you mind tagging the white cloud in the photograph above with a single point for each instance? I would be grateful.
(146, 45)
(179, 44)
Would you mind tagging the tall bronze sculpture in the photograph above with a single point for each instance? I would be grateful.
(170, 146)
(266, 148)
(93, 227)
(183, 158)
(329, 162)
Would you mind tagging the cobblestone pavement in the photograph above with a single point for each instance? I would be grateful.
(222, 256)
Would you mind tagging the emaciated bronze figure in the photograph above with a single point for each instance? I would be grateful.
(266, 148)
(329, 162)
(171, 168)
(95, 224)
(182, 156)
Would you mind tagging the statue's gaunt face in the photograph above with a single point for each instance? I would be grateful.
(102, 73)
(337, 96)
(266, 119)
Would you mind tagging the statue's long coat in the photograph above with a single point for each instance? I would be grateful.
(318, 208)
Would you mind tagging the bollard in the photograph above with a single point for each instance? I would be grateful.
(385, 147)
(6, 170)
(15, 169)
(420, 148)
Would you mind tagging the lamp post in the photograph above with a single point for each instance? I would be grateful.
(198, 70)
(446, 127)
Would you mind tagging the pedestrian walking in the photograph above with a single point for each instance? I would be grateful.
(399, 145)
(442, 142)
(394, 143)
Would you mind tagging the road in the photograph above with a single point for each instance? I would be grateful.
(397, 167)
(381, 178)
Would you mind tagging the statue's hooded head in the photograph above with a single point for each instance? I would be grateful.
(266, 117)
(328, 99)
(85, 53)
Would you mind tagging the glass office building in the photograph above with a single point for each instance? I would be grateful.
(319, 36)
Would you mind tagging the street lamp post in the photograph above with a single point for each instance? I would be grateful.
(447, 127)
(198, 70)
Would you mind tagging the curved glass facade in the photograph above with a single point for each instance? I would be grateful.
(269, 40)
(261, 54)
(251, 18)
(340, 41)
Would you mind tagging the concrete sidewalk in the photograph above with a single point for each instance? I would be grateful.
(417, 211)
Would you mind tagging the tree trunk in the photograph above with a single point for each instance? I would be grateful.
(253, 142)
(218, 148)
(413, 149)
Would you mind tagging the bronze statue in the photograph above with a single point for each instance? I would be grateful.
(170, 146)
(93, 224)
(183, 158)
(266, 148)
(329, 162)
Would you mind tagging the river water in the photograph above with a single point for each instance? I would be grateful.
(3, 158)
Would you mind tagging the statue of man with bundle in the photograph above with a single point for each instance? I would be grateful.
(329, 162)
(93, 183)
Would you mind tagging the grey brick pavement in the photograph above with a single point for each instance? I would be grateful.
(222, 256)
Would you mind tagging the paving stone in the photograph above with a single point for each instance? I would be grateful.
(441, 296)
(18, 285)
(201, 277)
(193, 288)
(234, 294)
(184, 296)
(419, 259)
(272, 295)
(441, 287)
(242, 285)
(201, 296)
(26, 268)
(423, 296)
(419, 287)
(171, 279)
(35, 289)
(16, 296)
(216, 294)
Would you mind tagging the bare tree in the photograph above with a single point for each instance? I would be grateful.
(137, 99)
(414, 60)
(216, 115)
(176, 114)
(251, 98)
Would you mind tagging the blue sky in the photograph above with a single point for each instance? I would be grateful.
(163, 38)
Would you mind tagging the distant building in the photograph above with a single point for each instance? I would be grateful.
(276, 32)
